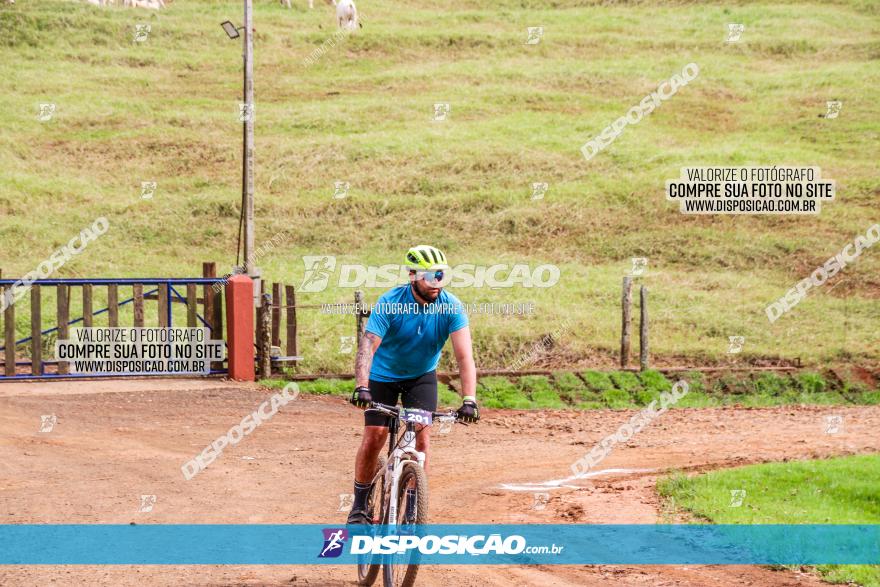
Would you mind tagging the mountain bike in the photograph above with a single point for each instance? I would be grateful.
(398, 495)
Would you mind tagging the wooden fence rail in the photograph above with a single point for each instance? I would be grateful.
(277, 312)
(282, 314)
(166, 293)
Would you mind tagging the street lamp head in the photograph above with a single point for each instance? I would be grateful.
(230, 29)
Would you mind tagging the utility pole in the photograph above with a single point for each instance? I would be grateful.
(247, 180)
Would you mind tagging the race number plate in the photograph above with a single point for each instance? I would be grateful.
(417, 416)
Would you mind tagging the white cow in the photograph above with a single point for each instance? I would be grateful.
(151, 4)
(346, 14)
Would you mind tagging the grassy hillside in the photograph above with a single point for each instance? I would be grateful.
(166, 110)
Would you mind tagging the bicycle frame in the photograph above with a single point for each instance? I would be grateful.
(398, 453)
(401, 452)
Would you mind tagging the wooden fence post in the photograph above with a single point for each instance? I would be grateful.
(36, 332)
(113, 305)
(264, 343)
(162, 302)
(259, 284)
(210, 270)
(361, 324)
(6, 351)
(626, 323)
(291, 321)
(87, 306)
(214, 308)
(218, 312)
(276, 314)
(643, 328)
(63, 302)
(137, 291)
(9, 335)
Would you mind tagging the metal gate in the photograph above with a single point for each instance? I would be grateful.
(25, 357)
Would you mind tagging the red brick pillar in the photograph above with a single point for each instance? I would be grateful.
(240, 327)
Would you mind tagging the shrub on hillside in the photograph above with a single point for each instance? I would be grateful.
(547, 400)
(870, 398)
(498, 392)
(653, 383)
(810, 383)
(541, 393)
(327, 386)
(643, 397)
(570, 387)
(626, 381)
(655, 380)
(853, 390)
(617, 399)
(731, 385)
(597, 381)
(530, 384)
(695, 381)
(773, 385)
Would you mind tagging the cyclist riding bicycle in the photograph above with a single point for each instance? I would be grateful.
(398, 356)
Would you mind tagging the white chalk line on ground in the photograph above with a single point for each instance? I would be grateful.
(563, 483)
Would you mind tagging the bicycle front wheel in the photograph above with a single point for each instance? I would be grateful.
(412, 510)
(367, 569)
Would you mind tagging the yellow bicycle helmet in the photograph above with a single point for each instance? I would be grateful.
(425, 258)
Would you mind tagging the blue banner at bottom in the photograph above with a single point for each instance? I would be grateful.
(446, 544)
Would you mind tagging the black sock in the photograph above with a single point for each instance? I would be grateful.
(361, 493)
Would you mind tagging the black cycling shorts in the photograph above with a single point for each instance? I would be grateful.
(420, 393)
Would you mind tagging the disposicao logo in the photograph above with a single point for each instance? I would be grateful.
(334, 540)
(433, 544)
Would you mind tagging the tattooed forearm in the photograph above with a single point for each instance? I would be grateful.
(364, 360)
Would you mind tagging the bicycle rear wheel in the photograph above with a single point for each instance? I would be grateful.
(368, 571)
(401, 570)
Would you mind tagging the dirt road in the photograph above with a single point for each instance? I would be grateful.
(115, 441)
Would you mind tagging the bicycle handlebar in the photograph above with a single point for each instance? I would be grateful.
(395, 411)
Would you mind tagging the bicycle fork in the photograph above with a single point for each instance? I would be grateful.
(399, 457)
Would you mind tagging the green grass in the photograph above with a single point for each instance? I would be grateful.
(617, 399)
(596, 390)
(447, 397)
(626, 381)
(835, 491)
(317, 387)
(624, 390)
(344, 387)
(166, 110)
(498, 392)
(597, 381)
(541, 392)
(570, 387)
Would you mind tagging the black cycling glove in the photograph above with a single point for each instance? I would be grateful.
(361, 397)
(468, 412)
